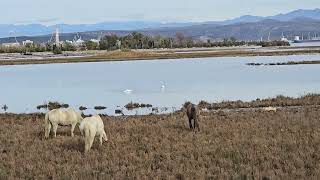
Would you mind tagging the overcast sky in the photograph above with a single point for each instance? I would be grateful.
(92, 11)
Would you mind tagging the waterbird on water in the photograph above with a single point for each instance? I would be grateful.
(163, 87)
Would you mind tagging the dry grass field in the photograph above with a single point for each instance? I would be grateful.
(231, 145)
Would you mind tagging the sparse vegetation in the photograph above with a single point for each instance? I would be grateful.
(273, 43)
(82, 108)
(118, 111)
(132, 105)
(52, 105)
(100, 107)
(284, 63)
(279, 101)
(57, 49)
(4, 108)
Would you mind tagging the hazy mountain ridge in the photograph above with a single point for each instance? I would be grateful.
(8, 30)
(244, 28)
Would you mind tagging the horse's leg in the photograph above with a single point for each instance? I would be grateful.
(86, 143)
(47, 130)
(190, 123)
(101, 135)
(91, 141)
(197, 124)
(55, 127)
(72, 129)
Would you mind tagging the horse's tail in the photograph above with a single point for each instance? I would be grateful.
(85, 130)
(47, 126)
(46, 120)
(81, 128)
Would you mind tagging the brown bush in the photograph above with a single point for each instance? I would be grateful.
(100, 107)
(52, 105)
(132, 105)
(82, 108)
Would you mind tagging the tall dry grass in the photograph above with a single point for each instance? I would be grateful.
(237, 145)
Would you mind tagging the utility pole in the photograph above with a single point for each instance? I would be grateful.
(57, 37)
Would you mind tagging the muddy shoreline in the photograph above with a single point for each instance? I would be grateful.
(279, 101)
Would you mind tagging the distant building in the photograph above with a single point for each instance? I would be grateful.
(68, 41)
(78, 42)
(95, 41)
(284, 39)
(16, 44)
(27, 42)
(118, 44)
(205, 39)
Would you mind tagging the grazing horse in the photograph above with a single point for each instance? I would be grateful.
(270, 109)
(91, 127)
(63, 117)
(193, 114)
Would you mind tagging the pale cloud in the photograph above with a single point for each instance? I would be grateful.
(84, 11)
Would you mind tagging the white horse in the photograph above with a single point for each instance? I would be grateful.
(91, 127)
(270, 109)
(61, 117)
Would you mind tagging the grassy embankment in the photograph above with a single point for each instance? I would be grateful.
(149, 55)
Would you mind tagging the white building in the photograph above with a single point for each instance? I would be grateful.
(95, 41)
(78, 42)
(27, 42)
(205, 39)
(68, 41)
(16, 44)
(118, 44)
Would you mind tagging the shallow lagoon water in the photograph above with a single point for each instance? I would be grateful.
(162, 83)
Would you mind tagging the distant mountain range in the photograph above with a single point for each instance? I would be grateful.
(8, 30)
(297, 14)
(264, 30)
(245, 28)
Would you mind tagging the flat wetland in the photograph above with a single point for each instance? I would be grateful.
(242, 144)
(147, 54)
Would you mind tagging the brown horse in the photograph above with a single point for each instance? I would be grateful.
(193, 114)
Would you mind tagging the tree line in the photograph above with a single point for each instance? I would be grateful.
(138, 40)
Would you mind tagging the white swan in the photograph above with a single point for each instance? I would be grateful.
(163, 87)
